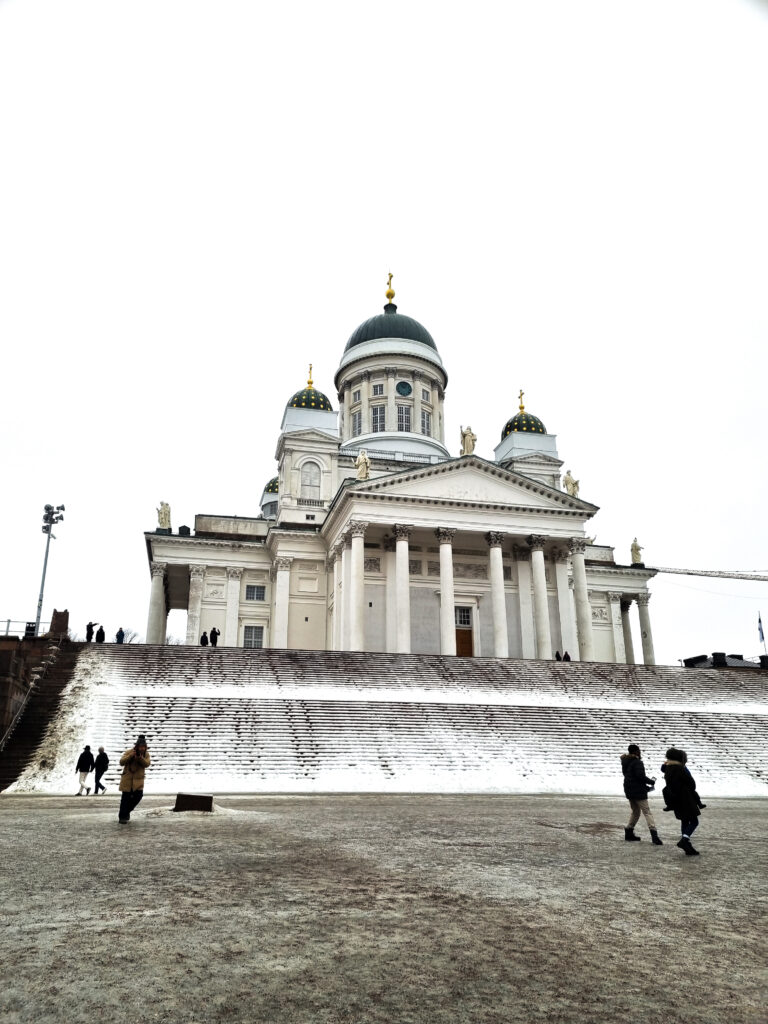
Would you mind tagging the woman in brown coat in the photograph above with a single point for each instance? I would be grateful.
(134, 761)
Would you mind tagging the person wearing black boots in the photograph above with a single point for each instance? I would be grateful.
(681, 797)
(637, 785)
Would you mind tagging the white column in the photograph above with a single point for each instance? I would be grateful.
(337, 597)
(391, 424)
(390, 599)
(540, 602)
(581, 597)
(565, 607)
(626, 627)
(498, 597)
(365, 389)
(345, 591)
(357, 589)
(234, 576)
(527, 641)
(282, 567)
(195, 603)
(403, 589)
(435, 408)
(616, 625)
(439, 413)
(447, 600)
(649, 658)
(158, 612)
(347, 416)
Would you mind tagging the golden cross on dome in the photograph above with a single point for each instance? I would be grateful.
(309, 381)
(390, 292)
(520, 396)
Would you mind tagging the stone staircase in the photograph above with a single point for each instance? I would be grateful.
(228, 719)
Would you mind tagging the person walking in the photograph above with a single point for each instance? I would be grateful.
(681, 796)
(84, 765)
(100, 635)
(101, 764)
(120, 635)
(134, 761)
(637, 785)
(204, 640)
(215, 634)
(89, 631)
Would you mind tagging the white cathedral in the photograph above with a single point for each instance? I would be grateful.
(372, 537)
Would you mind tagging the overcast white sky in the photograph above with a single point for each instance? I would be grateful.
(197, 199)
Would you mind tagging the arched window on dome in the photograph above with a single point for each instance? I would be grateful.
(310, 481)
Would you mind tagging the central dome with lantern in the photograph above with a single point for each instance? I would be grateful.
(391, 386)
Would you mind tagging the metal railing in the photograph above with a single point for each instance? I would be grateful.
(19, 626)
(37, 674)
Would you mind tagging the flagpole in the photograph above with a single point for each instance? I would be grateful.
(760, 628)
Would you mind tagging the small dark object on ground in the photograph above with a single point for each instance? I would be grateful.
(193, 802)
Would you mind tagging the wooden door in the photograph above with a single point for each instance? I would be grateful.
(464, 646)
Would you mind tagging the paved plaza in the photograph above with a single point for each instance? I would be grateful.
(391, 909)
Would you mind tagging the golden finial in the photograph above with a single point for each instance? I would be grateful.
(389, 292)
(520, 396)
(309, 381)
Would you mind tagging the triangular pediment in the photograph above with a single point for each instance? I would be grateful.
(473, 481)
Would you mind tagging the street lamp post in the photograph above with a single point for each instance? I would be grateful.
(51, 516)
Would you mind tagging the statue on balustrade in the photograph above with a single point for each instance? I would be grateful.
(637, 553)
(164, 516)
(468, 440)
(571, 485)
(363, 464)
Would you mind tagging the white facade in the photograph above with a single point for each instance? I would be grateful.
(429, 554)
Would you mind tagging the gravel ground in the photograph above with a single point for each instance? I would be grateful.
(393, 909)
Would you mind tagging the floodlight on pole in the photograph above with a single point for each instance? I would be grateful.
(51, 516)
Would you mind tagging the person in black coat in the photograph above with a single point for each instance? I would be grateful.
(204, 640)
(100, 635)
(84, 765)
(681, 796)
(637, 785)
(100, 764)
(214, 636)
(89, 631)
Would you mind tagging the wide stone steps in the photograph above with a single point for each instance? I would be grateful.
(303, 720)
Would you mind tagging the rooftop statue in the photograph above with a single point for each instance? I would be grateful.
(637, 553)
(468, 440)
(571, 485)
(164, 516)
(363, 464)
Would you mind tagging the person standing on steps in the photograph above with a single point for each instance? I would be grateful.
(101, 764)
(134, 762)
(681, 796)
(100, 635)
(215, 634)
(89, 631)
(84, 765)
(637, 786)
(120, 635)
(204, 640)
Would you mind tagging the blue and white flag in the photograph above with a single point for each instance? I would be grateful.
(760, 629)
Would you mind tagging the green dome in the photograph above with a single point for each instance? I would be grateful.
(271, 487)
(390, 324)
(310, 398)
(523, 422)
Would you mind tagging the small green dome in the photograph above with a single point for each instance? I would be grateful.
(523, 422)
(271, 487)
(310, 398)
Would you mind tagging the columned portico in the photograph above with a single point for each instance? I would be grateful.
(282, 569)
(540, 602)
(581, 596)
(447, 600)
(649, 658)
(498, 598)
(357, 586)
(616, 625)
(194, 605)
(158, 609)
(403, 589)
(523, 559)
(626, 629)
(234, 575)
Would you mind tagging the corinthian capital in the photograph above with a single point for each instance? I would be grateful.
(444, 535)
(643, 598)
(577, 545)
(494, 540)
(357, 528)
(197, 572)
(401, 531)
(234, 573)
(283, 564)
(536, 542)
(614, 595)
(158, 568)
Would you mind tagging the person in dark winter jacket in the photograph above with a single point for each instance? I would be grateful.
(101, 764)
(204, 640)
(84, 765)
(681, 796)
(637, 785)
(120, 635)
(89, 631)
(214, 636)
(100, 635)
